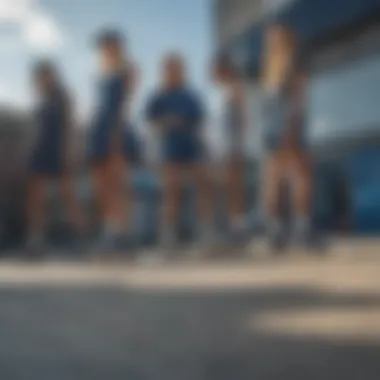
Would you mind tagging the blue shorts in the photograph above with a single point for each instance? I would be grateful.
(275, 124)
(104, 141)
(182, 149)
(98, 142)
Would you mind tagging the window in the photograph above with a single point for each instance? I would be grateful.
(344, 101)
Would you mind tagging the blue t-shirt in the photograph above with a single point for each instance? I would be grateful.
(180, 138)
(181, 104)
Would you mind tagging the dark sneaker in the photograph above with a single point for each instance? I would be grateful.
(206, 243)
(168, 245)
(315, 243)
(35, 250)
(105, 247)
(126, 245)
(239, 236)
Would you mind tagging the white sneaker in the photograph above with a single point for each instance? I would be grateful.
(207, 241)
(151, 257)
(168, 244)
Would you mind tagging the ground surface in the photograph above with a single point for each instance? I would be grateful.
(294, 318)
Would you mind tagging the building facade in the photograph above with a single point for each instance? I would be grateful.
(342, 38)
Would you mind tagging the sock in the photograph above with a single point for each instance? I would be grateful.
(274, 226)
(302, 225)
(167, 235)
(206, 231)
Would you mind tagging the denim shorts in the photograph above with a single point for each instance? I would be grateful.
(182, 149)
(276, 119)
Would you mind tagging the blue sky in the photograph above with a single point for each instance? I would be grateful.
(63, 29)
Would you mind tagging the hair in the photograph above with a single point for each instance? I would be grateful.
(113, 38)
(109, 37)
(45, 67)
(274, 68)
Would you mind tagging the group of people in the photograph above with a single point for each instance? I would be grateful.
(176, 114)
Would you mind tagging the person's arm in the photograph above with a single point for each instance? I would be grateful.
(131, 82)
(153, 111)
(131, 79)
(198, 117)
(198, 113)
(240, 99)
(68, 127)
(157, 116)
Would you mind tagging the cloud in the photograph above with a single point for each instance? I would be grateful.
(3, 91)
(42, 32)
(9, 96)
(14, 10)
(36, 28)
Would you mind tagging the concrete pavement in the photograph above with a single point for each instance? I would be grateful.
(295, 318)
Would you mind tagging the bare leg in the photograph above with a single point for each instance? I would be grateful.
(204, 196)
(301, 187)
(100, 189)
(117, 194)
(271, 191)
(271, 185)
(171, 201)
(36, 211)
(235, 191)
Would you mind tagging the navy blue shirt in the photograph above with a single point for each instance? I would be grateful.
(180, 136)
(181, 103)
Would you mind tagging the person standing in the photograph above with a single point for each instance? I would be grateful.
(235, 120)
(177, 112)
(50, 156)
(106, 141)
(283, 81)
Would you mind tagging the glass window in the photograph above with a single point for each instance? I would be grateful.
(345, 101)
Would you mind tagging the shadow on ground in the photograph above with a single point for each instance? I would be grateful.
(114, 333)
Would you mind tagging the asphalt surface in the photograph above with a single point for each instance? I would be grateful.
(293, 318)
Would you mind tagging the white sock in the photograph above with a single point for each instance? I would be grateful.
(167, 234)
(302, 225)
(274, 226)
(206, 230)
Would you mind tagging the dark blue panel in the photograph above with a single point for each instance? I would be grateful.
(363, 175)
(312, 18)
(309, 19)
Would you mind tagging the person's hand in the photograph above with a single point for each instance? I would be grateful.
(171, 121)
